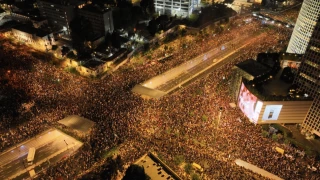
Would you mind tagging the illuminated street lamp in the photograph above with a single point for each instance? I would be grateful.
(217, 125)
(66, 143)
(219, 116)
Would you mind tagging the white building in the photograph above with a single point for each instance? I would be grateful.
(181, 8)
(304, 27)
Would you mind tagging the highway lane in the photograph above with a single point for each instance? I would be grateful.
(213, 58)
(50, 152)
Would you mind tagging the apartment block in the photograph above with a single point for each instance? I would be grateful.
(59, 13)
(100, 18)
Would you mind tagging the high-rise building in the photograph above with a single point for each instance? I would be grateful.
(305, 24)
(308, 79)
(100, 18)
(59, 13)
(181, 8)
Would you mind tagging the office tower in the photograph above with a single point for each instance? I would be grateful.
(308, 79)
(180, 8)
(59, 13)
(100, 18)
(305, 24)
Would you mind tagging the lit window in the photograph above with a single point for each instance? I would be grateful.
(316, 49)
(307, 77)
(312, 64)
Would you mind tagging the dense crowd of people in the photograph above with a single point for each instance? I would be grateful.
(184, 123)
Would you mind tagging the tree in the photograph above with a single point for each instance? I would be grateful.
(265, 133)
(195, 176)
(135, 172)
(123, 3)
(188, 168)
(274, 137)
(228, 1)
(64, 50)
(153, 28)
(148, 6)
(178, 159)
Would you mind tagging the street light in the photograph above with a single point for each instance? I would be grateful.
(217, 125)
(66, 143)
(219, 117)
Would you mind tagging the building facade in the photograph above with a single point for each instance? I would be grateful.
(58, 13)
(181, 8)
(308, 79)
(305, 24)
(33, 36)
(100, 19)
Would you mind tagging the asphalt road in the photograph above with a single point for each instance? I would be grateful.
(47, 152)
(213, 58)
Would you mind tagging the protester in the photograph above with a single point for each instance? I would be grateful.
(184, 123)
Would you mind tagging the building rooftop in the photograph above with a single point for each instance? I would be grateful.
(77, 123)
(268, 59)
(290, 56)
(276, 86)
(253, 67)
(156, 169)
(267, 84)
(92, 63)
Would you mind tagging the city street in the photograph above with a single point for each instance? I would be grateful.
(51, 146)
(178, 76)
(213, 58)
(177, 127)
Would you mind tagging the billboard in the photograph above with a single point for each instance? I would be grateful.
(291, 64)
(272, 112)
(249, 104)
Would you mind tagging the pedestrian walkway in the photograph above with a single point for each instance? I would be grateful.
(256, 169)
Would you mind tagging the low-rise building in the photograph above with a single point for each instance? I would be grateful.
(98, 64)
(33, 36)
(264, 97)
